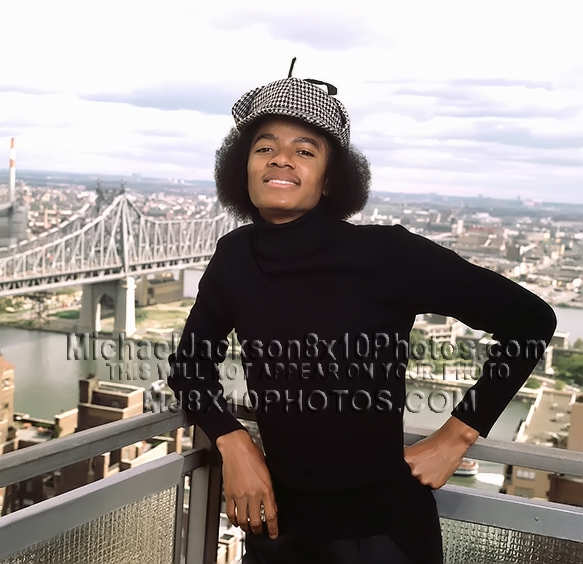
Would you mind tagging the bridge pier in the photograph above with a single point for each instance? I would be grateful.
(90, 316)
(123, 293)
(125, 307)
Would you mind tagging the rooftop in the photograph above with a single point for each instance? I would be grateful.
(548, 421)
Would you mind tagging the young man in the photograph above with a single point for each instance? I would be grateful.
(323, 311)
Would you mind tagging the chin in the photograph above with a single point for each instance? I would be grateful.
(277, 205)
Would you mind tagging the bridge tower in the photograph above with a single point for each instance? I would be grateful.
(106, 252)
(123, 291)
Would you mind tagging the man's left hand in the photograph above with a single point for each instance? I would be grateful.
(434, 459)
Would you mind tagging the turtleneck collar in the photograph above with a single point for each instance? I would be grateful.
(294, 240)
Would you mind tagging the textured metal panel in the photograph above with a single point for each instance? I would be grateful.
(139, 533)
(53, 516)
(535, 516)
(469, 543)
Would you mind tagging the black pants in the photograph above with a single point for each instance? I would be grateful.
(287, 549)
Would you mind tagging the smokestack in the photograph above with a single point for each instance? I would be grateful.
(12, 180)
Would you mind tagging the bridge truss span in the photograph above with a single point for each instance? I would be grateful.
(120, 242)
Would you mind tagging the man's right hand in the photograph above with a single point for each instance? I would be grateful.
(247, 484)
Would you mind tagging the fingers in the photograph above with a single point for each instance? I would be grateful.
(231, 513)
(242, 514)
(255, 521)
(270, 510)
(250, 514)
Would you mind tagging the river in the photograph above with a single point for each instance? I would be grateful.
(46, 381)
(571, 320)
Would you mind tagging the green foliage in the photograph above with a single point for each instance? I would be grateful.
(67, 291)
(570, 369)
(533, 383)
(66, 314)
(10, 303)
(141, 315)
(560, 385)
(578, 344)
(415, 335)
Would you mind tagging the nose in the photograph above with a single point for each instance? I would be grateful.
(281, 158)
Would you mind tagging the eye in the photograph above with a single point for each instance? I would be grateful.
(306, 153)
(263, 149)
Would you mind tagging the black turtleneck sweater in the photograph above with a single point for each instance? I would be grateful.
(305, 299)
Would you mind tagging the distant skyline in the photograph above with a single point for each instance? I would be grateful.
(453, 97)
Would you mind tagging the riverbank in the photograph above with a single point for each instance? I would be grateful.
(158, 321)
(162, 320)
(452, 384)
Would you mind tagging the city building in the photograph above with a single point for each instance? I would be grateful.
(159, 289)
(6, 404)
(554, 420)
(100, 402)
(13, 223)
(560, 340)
(565, 488)
(440, 328)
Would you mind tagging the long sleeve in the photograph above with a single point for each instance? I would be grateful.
(194, 374)
(444, 283)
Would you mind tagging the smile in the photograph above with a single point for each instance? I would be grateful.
(275, 182)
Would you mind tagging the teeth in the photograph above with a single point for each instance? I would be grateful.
(281, 182)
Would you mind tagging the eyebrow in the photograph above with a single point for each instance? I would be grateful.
(272, 137)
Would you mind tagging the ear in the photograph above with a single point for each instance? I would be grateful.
(325, 189)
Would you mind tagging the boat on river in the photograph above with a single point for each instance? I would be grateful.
(468, 467)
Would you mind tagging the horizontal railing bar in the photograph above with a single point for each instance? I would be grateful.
(54, 454)
(57, 453)
(537, 457)
(510, 512)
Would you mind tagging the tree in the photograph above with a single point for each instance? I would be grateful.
(578, 344)
(570, 369)
(533, 383)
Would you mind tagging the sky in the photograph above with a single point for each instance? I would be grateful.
(453, 97)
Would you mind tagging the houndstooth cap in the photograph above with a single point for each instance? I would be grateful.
(295, 98)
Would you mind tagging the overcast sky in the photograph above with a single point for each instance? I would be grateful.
(455, 97)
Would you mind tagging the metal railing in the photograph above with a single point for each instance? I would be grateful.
(202, 466)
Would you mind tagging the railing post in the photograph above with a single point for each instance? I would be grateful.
(204, 506)
(213, 508)
(178, 523)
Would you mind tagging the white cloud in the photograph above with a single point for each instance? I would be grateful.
(450, 96)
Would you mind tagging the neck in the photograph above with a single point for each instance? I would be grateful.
(282, 245)
(278, 217)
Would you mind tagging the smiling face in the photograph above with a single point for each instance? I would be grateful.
(286, 170)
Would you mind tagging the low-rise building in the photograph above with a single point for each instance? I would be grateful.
(440, 328)
(555, 420)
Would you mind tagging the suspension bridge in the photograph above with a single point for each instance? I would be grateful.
(105, 251)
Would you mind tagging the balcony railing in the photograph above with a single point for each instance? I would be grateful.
(147, 514)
